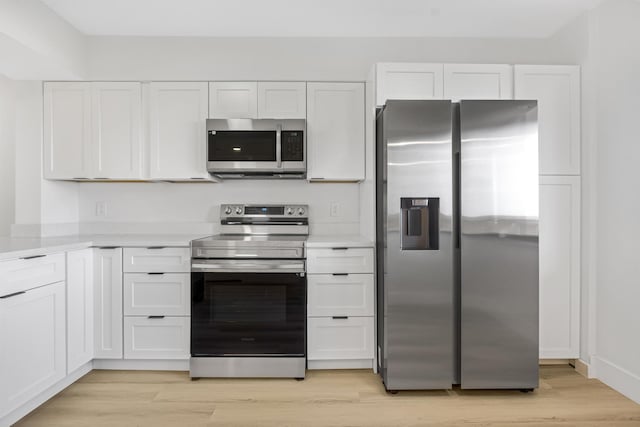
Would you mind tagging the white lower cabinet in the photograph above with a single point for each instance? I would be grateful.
(108, 303)
(157, 337)
(559, 267)
(340, 307)
(32, 354)
(79, 308)
(339, 338)
(157, 303)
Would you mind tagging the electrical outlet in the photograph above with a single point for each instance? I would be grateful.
(334, 209)
(101, 209)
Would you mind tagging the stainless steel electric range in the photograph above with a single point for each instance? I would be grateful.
(249, 294)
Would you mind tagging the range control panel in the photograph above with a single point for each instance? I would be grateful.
(264, 211)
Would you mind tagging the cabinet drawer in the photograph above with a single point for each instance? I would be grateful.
(156, 338)
(340, 260)
(340, 295)
(31, 272)
(329, 338)
(164, 294)
(157, 260)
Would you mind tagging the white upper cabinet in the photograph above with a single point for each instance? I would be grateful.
(92, 130)
(335, 131)
(67, 130)
(408, 81)
(233, 100)
(117, 130)
(557, 89)
(282, 100)
(478, 81)
(178, 114)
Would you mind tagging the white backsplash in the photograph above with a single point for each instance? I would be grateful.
(195, 207)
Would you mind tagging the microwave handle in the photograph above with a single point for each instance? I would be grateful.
(279, 145)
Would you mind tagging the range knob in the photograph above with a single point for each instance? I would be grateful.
(290, 211)
(228, 210)
(238, 210)
(300, 211)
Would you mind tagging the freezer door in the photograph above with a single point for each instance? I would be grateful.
(415, 280)
(499, 244)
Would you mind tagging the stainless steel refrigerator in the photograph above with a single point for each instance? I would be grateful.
(457, 236)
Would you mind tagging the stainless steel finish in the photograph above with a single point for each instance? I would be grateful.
(247, 169)
(294, 220)
(267, 229)
(278, 145)
(416, 286)
(247, 367)
(499, 244)
(248, 266)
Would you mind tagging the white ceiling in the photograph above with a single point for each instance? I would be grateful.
(310, 18)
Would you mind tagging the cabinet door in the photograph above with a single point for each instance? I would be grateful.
(282, 100)
(337, 338)
(335, 131)
(67, 130)
(157, 337)
(233, 100)
(108, 303)
(559, 267)
(340, 295)
(157, 294)
(157, 260)
(408, 81)
(79, 308)
(557, 89)
(478, 81)
(32, 333)
(339, 260)
(178, 114)
(117, 130)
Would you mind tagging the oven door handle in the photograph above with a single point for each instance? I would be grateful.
(247, 266)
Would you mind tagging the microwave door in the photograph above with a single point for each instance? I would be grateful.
(242, 151)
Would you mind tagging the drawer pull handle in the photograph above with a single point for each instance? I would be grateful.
(156, 247)
(339, 317)
(108, 247)
(339, 274)
(13, 294)
(156, 273)
(339, 249)
(34, 256)
(155, 317)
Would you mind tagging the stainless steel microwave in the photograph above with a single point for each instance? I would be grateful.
(254, 148)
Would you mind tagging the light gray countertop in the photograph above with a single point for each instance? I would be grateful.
(18, 247)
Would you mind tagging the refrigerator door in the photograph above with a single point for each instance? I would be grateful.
(415, 276)
(499, 244)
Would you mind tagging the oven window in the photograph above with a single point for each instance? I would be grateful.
(248, 314)
(242, 146)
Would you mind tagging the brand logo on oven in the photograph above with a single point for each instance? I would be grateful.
(247, 339)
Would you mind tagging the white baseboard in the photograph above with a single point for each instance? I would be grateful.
(340, 364)
(617, 378)
(141, 365)
(32, 404)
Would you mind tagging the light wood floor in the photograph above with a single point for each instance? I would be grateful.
(326, 398)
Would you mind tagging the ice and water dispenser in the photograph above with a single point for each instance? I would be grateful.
(420, 223)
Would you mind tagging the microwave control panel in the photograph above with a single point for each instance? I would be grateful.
(292, 145)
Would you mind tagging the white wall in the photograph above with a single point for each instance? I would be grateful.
(616, 65)
(7, 154)
(35, 43)
(191, 58)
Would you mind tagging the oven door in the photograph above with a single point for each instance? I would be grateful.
(248, 314)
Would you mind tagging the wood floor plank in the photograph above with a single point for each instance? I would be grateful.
(324, 399)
